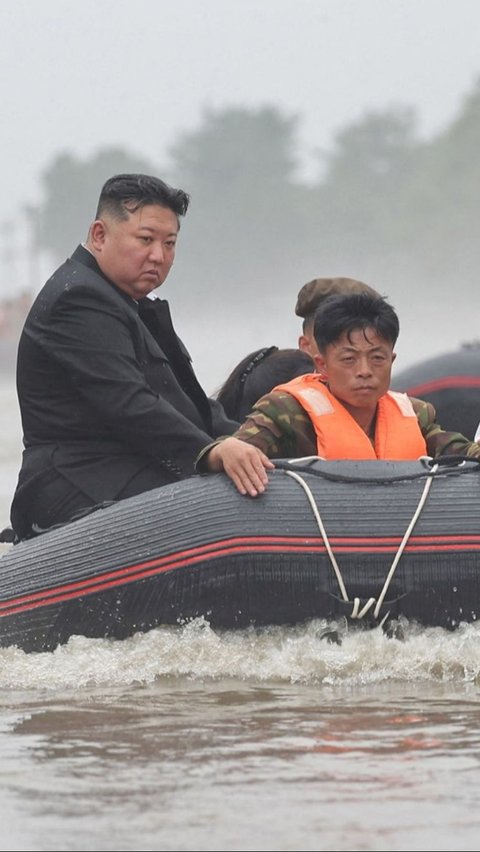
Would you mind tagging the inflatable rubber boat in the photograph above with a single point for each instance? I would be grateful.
(368, 541)
(451, 382)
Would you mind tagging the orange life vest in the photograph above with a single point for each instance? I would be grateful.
(397, 433)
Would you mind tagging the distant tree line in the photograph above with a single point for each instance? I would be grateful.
(386, 205)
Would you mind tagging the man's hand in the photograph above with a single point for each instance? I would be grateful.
(245, 464)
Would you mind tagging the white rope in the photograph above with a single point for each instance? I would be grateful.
(356, 611)
(311, 500)
(405, 540)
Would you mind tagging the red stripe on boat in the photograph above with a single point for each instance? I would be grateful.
(444, 383)
(247, 544)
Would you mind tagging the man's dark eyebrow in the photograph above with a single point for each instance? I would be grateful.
(352, 347)
(152, 230)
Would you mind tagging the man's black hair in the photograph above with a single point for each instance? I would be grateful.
(126, 193)
(356, 312)
(257, 374)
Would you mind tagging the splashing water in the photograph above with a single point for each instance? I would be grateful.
(286, 654)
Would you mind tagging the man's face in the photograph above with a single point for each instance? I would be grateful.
(136, 253)
(358, 369)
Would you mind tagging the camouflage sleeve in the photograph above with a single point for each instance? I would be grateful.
(439, 442)
(279, 426)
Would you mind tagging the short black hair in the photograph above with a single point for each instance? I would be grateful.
(126, 193)
(356, 312)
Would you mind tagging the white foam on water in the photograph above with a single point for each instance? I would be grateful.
(288, 654)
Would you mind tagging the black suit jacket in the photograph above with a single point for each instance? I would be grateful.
(106, 387)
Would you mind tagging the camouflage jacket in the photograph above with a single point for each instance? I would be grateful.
(281, 428)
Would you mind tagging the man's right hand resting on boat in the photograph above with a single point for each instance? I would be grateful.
(243, 463)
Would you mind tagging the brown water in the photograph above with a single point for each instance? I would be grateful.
(184, 739)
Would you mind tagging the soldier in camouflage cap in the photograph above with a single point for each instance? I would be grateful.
(312, 294)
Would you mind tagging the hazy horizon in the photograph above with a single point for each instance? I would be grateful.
(79, 78)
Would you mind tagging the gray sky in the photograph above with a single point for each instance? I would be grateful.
(79, 76)
(82, 75)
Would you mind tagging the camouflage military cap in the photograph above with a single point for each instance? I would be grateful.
(314, 292)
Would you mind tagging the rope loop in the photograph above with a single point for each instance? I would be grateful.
(359, 613)
(377, 603)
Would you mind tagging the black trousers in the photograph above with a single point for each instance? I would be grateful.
(59, 501)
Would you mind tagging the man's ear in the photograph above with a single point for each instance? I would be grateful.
(303, 344)
(320, 365)
(97, 234)
(306, 344)
(394, 355)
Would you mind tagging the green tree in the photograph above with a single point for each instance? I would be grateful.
(362, 197)
(237, 148)
(445, 202)
(247, 212)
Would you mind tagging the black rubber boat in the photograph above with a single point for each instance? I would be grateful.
(369, 541)
(451, 382)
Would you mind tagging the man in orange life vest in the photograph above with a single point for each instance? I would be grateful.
(343, 411)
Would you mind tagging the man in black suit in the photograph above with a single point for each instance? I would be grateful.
(110, 404)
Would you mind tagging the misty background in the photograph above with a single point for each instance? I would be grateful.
(316, 138)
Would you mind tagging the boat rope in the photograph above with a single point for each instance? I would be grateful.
(356, 611)
(452, 465)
